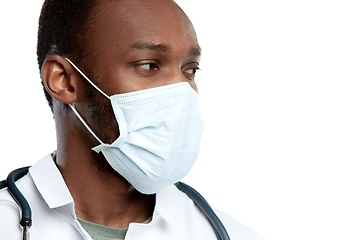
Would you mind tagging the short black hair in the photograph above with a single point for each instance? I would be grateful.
(62, 26)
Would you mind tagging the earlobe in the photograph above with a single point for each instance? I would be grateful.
(56, 78)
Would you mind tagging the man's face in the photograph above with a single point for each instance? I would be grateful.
(135, 45)
(138, 45)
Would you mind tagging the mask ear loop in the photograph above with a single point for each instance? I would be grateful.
(73, 108)
(85, 124)
(82, 74)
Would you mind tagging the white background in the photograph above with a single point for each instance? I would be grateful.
(279, 91)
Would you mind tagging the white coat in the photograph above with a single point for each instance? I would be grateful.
(175, 216)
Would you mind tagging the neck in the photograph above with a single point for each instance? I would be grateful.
(100, 194)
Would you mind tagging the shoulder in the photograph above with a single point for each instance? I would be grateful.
(186, 206)
(10, 214)
(23, 183)
(236, 229)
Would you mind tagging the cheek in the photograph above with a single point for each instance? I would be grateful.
(123, 79)
(193, 85)
(102, 118)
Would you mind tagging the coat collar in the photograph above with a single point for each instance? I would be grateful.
(52, 187)
(50, 184)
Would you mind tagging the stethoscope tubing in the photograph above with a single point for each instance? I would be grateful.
(200, 201)
(26, 219)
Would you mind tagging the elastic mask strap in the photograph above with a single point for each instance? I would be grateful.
(87, 79)
(73, 108)
(85, 124)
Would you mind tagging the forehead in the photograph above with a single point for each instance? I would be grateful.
(117, 25)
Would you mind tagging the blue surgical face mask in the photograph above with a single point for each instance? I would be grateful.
(160, 133)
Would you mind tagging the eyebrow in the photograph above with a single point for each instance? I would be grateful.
(151, 46)
(196, 51)
(162, 48)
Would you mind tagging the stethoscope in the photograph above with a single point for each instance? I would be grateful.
(26, 221)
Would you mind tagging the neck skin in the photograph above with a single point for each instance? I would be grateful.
(101, 195)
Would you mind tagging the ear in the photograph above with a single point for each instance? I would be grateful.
(58, 80)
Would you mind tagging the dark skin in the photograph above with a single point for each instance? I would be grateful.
(134, 45)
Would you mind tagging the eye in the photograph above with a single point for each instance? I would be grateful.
(190, 72)
(149, 66)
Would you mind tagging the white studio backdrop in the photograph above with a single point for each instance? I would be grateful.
(279, 91)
